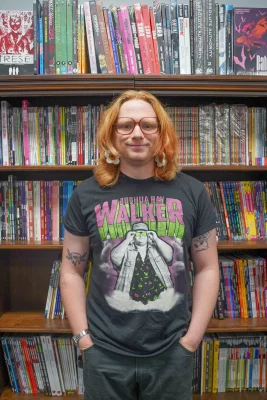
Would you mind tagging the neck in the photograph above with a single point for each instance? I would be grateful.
(138, 171)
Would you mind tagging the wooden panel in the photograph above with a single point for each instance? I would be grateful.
(29, 276)
(33, 322)
(64, 85)
(9, 395)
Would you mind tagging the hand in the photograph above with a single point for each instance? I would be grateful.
(130, 236)
(85, 342)
(187, 345)
(152, 236)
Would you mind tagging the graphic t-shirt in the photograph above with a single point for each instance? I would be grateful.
(139, 300)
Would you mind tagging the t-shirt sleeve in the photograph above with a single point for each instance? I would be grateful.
(206, 218)
(73, 220)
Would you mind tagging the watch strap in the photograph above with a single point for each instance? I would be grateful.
(79, 335)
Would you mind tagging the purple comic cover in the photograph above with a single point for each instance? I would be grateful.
(250, 41)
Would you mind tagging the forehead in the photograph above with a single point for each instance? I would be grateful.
(133, 108)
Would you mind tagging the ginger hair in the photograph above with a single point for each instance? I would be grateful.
(108, 174)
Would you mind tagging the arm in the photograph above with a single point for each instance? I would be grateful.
(206, 287)
(72, 284)
(119, 251)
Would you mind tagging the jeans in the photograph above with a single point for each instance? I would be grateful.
(111, 376)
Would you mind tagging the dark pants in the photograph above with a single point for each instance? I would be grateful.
(111, 376)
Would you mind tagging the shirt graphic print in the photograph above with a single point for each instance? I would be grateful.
(142, 253)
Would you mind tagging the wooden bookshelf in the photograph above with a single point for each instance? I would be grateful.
(9, 395)
(35, 322)
(24, 275)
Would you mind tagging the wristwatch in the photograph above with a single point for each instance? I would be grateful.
(79, 335)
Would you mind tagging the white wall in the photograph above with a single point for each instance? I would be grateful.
(26, 5)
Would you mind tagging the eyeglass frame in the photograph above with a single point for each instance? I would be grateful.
(136, 123)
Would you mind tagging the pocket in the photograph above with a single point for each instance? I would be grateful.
(88, 349)
(185, 350)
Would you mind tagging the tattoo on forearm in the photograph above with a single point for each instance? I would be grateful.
(202, 242)
(76, 258)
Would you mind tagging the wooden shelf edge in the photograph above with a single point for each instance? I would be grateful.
(53, 168)
(223, 245)
(35, 322)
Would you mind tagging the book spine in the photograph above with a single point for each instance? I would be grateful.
(25, 128)
(181, 38)
(74, 31)
(103, 33)
(168, 32)
(70, 37)
(113, 42)
(217, 8)
(187, 51)
(124, 43)
(63, 36)
(229, 15)
(210, 27)
(118, 38)
(36, 37)
(222, 41)
(46, 36)
(192, 35)
(5, 132)
(159, 35)
(41, 46)
(142, 38)
(58, 47)
(109, 38)
(198, 36)
(154, 39)
(174, 38)
(165, 38)
(90, 38)
(51, 37)
(99, 47)
(149, 40)
(128, 38)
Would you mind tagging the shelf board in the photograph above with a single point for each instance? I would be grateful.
(62, 168)
(203, 85)
(109, 84)
(223, 245)
(9, 395)
(91, 85)
(35, 322)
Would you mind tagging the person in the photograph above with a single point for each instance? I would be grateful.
(143, 221)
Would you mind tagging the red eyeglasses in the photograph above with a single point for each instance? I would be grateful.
(126, 125)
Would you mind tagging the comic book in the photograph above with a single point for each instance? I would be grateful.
(16, 42)
(250, 41)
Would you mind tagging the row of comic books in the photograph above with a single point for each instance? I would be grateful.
(222, 134)
(54, 307)
(228, 362)
(33, 210)
(240, 208)
(48, 135)
(43, 364)
(64, 37)
(243, 286)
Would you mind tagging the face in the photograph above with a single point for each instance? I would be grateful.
(137, 148)
(140, 238)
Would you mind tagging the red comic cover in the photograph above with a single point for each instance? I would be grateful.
(16, 42)
(250, 41)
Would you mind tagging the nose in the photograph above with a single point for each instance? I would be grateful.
(137, 132)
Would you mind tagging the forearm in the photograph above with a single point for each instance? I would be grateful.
(205, 293)
(73, 294)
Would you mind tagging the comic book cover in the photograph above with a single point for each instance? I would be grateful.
(16, 42)
(250, 41)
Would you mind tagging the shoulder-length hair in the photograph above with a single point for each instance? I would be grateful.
(108, 174)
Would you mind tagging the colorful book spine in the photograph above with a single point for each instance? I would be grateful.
(103, 33)
(128, 38)
(58, 47)
(51, 36)
(99, 46)
(124, 42)
(63, 36)
(109, 38)
(25, 128)
(41, 46)
(70, 36)
(149, 39)
(113, 41)
(90, 38)
(118, 37)
(142, 38)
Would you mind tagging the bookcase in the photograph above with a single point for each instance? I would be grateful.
(25, 267)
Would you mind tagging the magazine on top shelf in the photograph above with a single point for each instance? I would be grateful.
(250, 41)
(16, 43)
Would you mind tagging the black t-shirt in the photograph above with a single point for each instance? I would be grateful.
(139, 300)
